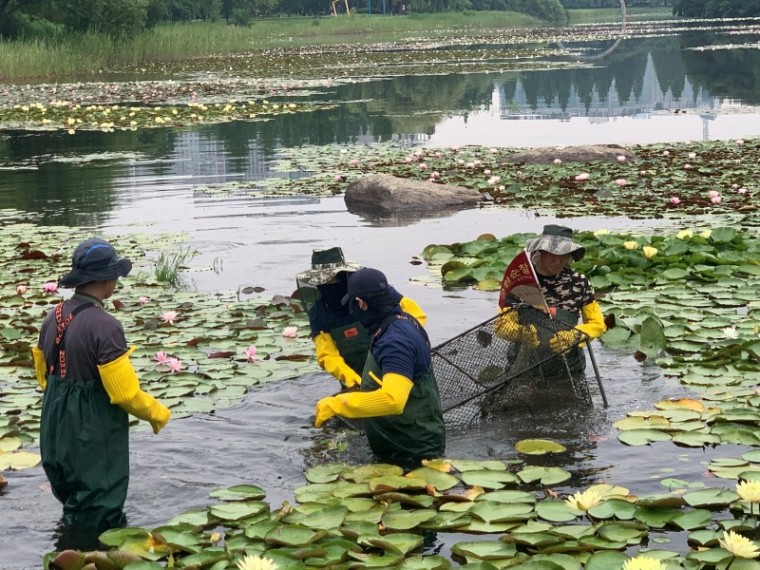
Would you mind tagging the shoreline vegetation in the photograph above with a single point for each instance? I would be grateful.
(87, 55)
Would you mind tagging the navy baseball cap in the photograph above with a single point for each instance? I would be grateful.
(365, 281)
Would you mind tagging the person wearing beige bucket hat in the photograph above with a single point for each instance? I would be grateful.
(82, 364)
(568, 295)
(340, 341)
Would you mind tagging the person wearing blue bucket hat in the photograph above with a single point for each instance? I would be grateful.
(340, 341)
(90, 388)
(398, 395)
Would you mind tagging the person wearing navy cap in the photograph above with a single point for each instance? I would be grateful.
(90, 387)
(398, 394)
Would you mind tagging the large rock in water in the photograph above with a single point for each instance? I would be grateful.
(582, 153)
(386, 194)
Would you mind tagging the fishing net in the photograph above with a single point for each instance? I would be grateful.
(513, 360)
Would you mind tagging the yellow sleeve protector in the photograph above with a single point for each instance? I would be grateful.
(593, 326)
(411, 307)
(389, 400)
(330, 360)
(40, 368)
(123, 387)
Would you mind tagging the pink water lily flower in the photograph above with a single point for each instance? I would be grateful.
(674, 200)
(621, 181)
(162, 357)
(250, 354)
(687, 166)
(493, 180)
(169, 316)
(621, 158)
(290, 332)
(142, 299)
(713, 193)
(742, 190)
(51, 288)
(557, 161)
(665, 153)
(353, 162)
(422, 166)
(174, 365)
(715, 199)
(21, 289)
(583, 176)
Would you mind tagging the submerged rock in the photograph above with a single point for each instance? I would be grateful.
(583, 153)
(386, 194)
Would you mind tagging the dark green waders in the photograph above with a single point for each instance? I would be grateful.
(84, 442)
(353, 344)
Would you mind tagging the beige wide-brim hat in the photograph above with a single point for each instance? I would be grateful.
(557, 240)
(326, 264)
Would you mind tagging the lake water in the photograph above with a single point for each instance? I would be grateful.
(663, 88)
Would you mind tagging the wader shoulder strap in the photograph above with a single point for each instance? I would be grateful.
(394, 317)
(59, 366)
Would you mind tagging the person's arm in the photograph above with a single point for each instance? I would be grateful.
(508, 327)
(411, 307)
(593, 320)
(40, 368)
(388, 400)
(330, 360)
(123, 388)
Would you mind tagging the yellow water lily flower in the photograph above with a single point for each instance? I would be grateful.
(602, 232)
(256, 563)
(683, 234)
(706, 234)
(584, 500)
(71, 121)
(630, 245)
(649, 251)
(739, 545)
(643, 563)
(749, 491)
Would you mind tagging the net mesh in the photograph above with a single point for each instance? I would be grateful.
(512, 360)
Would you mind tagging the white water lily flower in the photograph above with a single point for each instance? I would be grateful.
(749, 491)
(683, 234)
(256, 563)
(630, 245)
(584, 500)
(730, 332)
(649, 251)
(706, 234)
(643, 563)
(602, 232)
(738, 545)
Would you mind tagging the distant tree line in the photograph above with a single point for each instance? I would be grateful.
(716, 8)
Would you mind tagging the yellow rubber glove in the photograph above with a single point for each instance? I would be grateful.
(508, 326)
(564, 340)
(388, 400)
(40, 368)
(123, 388)
(593, 320)
(411, 307)
(330, 360)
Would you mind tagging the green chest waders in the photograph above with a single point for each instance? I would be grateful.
(419, 432)
(353, 344)
(84, 442)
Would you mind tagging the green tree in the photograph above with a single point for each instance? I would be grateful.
(115, 18)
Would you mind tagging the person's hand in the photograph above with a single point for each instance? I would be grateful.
(529, 334)
(325, 410)
(563, 340)
(160, 416)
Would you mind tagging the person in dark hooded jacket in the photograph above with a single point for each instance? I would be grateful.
(398, 394)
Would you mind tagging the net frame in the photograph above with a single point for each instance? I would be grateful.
(512, 360)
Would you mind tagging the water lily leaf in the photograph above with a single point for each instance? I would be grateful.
(434, 562)
(364, 473)
(618, 508)
(639, 422)
(386, 560)
(395, 483)
(546, 475)
(555, 511)
(484, 550)
(463, 465)
(204, 559)
(605, 560)
(642, 436)
(507, 496)
(710, 497)
(239, 493)
(499, 512)
(698, 518)
(419, 501)
(237, 511)
(447, 521)
(627, 533)
(325, 473)
(539, 447)
(405, 520)
(19, 460)
(115, 537)
(488, 479)
(183, 541)
(440, 481)
(293, 535)
(397, 542)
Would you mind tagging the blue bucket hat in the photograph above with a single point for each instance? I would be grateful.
(94, 260)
